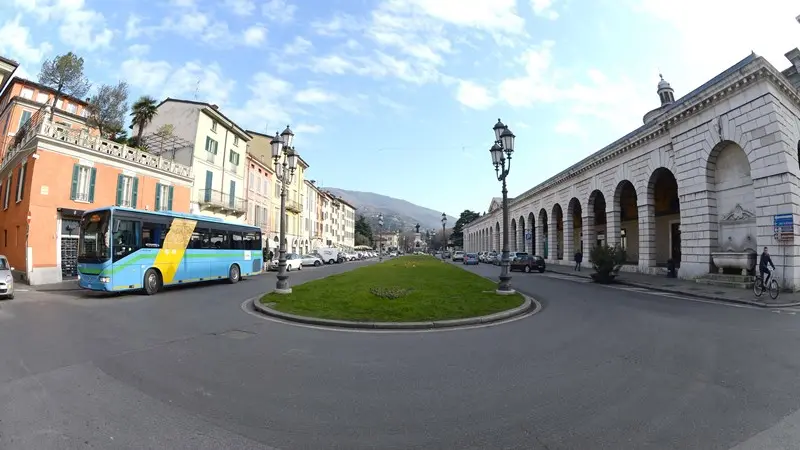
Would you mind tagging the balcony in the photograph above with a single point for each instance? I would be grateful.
(294, 206)
(219, 201)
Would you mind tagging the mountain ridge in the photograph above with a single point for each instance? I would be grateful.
(398, 214)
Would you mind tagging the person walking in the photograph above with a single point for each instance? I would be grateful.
(578, 260)
(763, 267)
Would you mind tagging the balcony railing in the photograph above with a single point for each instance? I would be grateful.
(218, 200)
(294, 206)
(81, 138)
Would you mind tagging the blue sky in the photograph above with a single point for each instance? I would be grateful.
(398, 97)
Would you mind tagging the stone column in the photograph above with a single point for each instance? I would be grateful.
(589, 239)
(647, 237)
(569, 247)
(540, 239)
(613, 228)
(552, 238)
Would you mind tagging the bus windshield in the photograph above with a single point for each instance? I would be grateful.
(93, 246)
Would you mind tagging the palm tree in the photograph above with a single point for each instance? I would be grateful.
(143, 112)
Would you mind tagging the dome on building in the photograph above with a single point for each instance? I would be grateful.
(663, 84)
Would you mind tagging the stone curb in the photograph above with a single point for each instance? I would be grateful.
(690, 294)
(528, 305)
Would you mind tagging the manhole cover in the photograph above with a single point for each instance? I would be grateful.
(237, 334)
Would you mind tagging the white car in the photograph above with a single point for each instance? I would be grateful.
(392, 254)
(458, 256)
(311, 260)
(293, 261)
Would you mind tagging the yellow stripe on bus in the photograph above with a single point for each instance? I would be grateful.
(174, 247)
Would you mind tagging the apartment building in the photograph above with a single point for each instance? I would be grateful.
(313, 215)
(342, 220)
(51, 173)
(216, 155)
(260, 181)
(22, 98)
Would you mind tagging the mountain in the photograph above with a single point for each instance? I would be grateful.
(397, 214)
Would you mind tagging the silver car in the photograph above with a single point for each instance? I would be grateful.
(311, 260)
(6, 279)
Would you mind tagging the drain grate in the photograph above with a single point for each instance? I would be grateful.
(238, 334)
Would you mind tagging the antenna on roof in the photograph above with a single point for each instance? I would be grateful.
(196, 89)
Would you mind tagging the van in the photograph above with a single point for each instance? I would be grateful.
(329, 255)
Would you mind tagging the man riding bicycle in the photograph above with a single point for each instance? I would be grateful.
(763, 267)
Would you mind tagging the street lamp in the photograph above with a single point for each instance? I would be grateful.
(444, 234)
(380, 237)
(501, 159)
(285, 157)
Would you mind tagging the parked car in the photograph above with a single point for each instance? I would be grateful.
(482, 256)
(329, 255)
(311, 260)
(392, 254)
(293, 261)
(6, 279)
(470, 259)
(528, 264)
(458, 256)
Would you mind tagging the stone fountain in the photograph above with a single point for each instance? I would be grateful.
(737, 241)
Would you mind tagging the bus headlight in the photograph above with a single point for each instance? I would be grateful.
(104, 279)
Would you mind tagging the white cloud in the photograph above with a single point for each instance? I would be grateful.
(544, 8)
(80, 27)
(267, 104)
(473, 95)
(497, 16)
(161, 79)
(315, 95)
(17, 43)
(340, 24)
(298, 46)
(279, 11)
(254, 36)
(241, 7)
(568, 126)
(139, 49)
(308, 128)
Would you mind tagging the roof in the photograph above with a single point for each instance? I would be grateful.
(209, 108)
(43, 87)
(267, 136)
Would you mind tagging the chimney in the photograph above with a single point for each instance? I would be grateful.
(215, 107)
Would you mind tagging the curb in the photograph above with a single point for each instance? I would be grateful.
(691, 294)
(528, 305)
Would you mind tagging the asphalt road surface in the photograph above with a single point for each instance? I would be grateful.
(597, 368)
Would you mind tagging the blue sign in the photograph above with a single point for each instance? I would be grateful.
(784, 225)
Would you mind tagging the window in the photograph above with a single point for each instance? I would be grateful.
(124, 238)
(127, 190)
(214, 127)
(219, 239)
(232, 198)
(252, 240)
(211, 145)
(201, 238)
(236, 241)
(277, 190)
(252, 183)
(21, 181)
(8, 191)
(59, 104)
(266, 186)
(164, 197)
(234, 158)
(236, 141)
(82, 189)
(26, 93)
(42, 97)
(72, 108)
(26, 115)
(152, 234)
(207, 191)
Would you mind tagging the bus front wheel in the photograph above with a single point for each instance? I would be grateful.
(233, 274)
(152, 282)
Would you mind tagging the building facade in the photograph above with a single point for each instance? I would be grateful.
(216, 152)
(260, 180)
(313, 216)
(52, 173)
(342, 220)
(707, 182)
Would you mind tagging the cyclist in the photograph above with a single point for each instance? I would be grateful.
(763, 267)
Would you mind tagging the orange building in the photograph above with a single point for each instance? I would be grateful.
(53, 171)
(22, 98)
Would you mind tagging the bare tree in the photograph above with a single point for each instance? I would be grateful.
(107, 108)
(64, 74)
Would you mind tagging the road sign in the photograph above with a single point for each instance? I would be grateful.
(784, 226)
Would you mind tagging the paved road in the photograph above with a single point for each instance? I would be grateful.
(597, 368)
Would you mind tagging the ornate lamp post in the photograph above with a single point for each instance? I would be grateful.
(285, 158)
(380, 237)
(501, 159)
(444, 234)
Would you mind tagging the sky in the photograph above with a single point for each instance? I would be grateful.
(398, 97)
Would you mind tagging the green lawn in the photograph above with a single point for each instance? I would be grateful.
(405, 289)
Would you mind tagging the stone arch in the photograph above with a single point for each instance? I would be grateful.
(532, 229)
(497, 238)
(664, 205)
(557, 232)
(626, 220)
(512, 241)
(542, 232)
(574, 227)
(521, 235)
(596, 219)
(734, 208)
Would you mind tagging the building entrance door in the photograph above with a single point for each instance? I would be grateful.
(69, 247)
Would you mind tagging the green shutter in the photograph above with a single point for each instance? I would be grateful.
(73, 191)
(120, 194)
(92, 177)
(158, 197)
(135, 193)
(169, 198)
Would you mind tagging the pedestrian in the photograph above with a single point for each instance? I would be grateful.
(578, 260)
(763, 267)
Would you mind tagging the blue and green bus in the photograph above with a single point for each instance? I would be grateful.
(123, 249)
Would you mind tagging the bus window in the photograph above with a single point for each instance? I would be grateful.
(252, 241)
(236, 241)
(219, 239)
(125, 239)
(151, 235)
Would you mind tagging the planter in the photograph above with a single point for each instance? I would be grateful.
(603, 278)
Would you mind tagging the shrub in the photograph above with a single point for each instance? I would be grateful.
(606, 260)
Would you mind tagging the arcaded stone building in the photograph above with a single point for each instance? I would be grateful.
(703, 182)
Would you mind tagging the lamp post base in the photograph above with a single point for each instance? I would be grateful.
(283, 291)
(508, 291)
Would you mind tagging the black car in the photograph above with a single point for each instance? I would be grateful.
(528, 263)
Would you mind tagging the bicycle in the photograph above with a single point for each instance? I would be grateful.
(758, 286)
